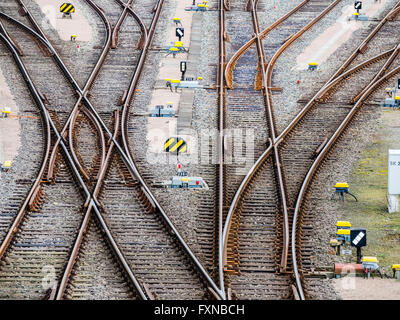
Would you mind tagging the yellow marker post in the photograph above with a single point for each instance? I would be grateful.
(173, 50)
(396, 271)
(6, 166)
(177, 21)
(343, 224)
(5, 112)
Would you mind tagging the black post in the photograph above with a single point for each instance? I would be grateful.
(359, 255)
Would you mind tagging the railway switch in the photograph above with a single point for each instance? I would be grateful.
(176, 48)
(179, 45)
(358, 6)
(6, 166)
(183, 67)
(369, 264)
(389, 91)
(396, 271)
(342, 188)
(5, 112)
(390, 103)
(312, 66)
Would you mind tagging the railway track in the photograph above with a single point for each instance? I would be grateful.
(131, 168)
(116, 222)
(256, 263)
(244, 206)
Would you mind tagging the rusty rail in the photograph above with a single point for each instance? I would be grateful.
(244, 184)
(59, 294)
(35, 189)
(232, 62)
(221, 127)
(323, 91)
(363, 46)
(272, 131)
(38, 99)
(127, 158)
(219, 293)
(317, 162)
(267, 75)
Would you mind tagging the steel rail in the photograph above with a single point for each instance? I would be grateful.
(81, 183)
(59, 293)
(232, 62)
(220, 292)
(47, 43)
(271, 128)
(307, 107)
(310, 174)
(363, 46)
(126, 154)
(244, 184)
(267, 79)
(277, 141)
(221, 127)
(21, 212)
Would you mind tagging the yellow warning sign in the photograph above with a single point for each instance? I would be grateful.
(175, 145)
(67, 8)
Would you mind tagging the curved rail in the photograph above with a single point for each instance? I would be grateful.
(96, 124)
(254, 169)
(221, 127)
(36, 185)
(232, 62)
(66, 151)
(323, 91)
(218, 292)
(310, 174)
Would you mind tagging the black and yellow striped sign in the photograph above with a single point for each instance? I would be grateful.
(175, 145)
(67, 8)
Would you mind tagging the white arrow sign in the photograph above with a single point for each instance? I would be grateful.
(358, 238)
(179, 32)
